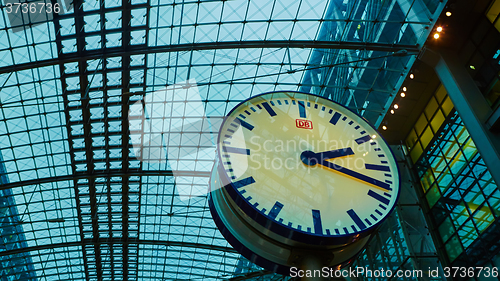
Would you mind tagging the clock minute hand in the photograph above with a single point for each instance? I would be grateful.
(356, 175)
(310, 158)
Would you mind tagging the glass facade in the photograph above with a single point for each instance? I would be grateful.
(462, 196)
(429, 123)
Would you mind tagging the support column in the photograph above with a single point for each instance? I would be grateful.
(469, 103)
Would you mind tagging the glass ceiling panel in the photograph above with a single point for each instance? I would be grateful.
(109, 114)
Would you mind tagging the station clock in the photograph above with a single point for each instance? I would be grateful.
(300, 180)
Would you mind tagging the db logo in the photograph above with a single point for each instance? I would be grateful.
(304, 124)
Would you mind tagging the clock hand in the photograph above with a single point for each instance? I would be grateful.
(310, 158)
(356, 175)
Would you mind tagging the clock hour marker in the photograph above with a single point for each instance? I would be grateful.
(335, 118)
(302, 109)
(244, 124)
(356, 219)
(362, 140)
(275, 210)
(368, 222)
(318, 226)
(377, 167)
(378, 197)
(236, 150)
(268, 108)
(243, 182)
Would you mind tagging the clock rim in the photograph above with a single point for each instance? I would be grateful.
(280, 228)
(258, 259)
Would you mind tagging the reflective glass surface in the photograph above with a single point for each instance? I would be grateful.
(459, 188)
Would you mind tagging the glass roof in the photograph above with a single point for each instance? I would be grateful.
(109, 112)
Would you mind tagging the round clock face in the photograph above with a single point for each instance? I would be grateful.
(307, 164)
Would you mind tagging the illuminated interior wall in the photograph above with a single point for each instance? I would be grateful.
(428, 124)
(492, 14)
(462, 197)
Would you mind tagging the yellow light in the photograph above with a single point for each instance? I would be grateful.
(412, 76)
(439, 29)
(403, 94)
(448, 14)
(384, 128)
(374, 136)
(396, 106)
(392, 111)
(436, 35)
(404, 89)
(472, 67)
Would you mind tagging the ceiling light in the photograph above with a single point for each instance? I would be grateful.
(411, 76)
(384, 128)
(436, 35)
(448, 14)
(403, 94)
(404, 89)
(396, 106)
(392, 111)
(439, 29)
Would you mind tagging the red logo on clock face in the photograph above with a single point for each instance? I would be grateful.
(304, 124)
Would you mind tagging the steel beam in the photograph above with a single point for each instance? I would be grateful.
(111, 173)
(268, 44)
(115, 241)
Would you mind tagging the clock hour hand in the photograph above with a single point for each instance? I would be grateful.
(356, 175)
(310, 158)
